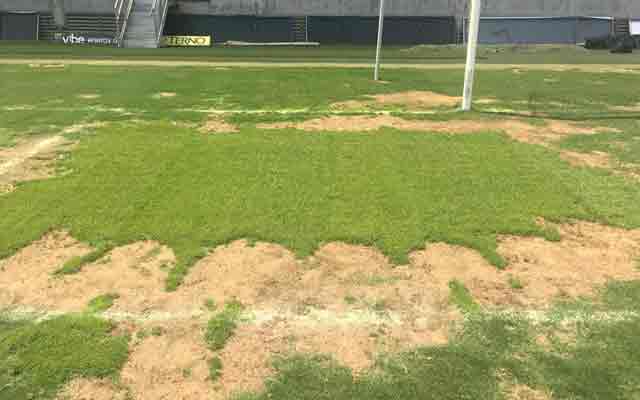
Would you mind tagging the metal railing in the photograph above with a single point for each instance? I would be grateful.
(159, 11)
(122, 9)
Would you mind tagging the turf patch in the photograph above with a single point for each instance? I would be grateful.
(37, 359)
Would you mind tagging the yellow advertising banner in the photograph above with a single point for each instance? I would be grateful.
(186, 41)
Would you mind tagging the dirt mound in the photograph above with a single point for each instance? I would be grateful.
(516, 129)
(92, 389)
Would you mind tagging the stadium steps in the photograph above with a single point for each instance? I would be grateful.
(141, 31)
(95, 25)
(299, 29)
(621, 27)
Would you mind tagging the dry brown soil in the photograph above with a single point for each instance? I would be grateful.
(345, 300)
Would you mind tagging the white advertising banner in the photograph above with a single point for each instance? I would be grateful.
(634, 27)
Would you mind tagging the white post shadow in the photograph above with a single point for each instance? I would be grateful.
(472, 49)
(376, 72)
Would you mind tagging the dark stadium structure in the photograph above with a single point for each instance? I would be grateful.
(142, 23)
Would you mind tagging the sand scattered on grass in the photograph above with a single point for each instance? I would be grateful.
(524, 392)
(217, 124)
(516, 129)
(89, 96)
(47, 66)
(632, 108)
(171, 366)
(91, 389)
(29, 160)
(82, 127)
(594, 159)
(164, 95)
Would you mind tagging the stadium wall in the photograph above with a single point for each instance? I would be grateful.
(361, 8)
(326, 30)
(542, 30)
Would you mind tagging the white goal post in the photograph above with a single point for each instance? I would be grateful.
(472, 46)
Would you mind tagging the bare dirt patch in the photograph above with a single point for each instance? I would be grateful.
(594, 159)
(217, 124)
(92, 389)
(515, 128)
(346, 301)
(588, 256)
(30, 160)
(410, 100)
(171, 366)
(340, 283)
(133, 272)
(420, 99)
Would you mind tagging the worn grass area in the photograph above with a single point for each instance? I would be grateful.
(44, 101)
(391, 190)
(388, 189)
(491, 353)
(509, 54)
(624, 148)
(36, 359)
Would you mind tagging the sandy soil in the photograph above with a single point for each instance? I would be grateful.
(517, 129)
(217, 124)
(410, 100)
(346, 301)
(338, 279)
(29, 160)
(92, 389)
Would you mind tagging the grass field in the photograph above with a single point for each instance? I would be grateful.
(522, 54)
(165, 230)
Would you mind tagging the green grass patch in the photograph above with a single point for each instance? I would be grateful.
(515, 283)
(102, 303)
(221, 327)
(37, 359)
(386, 189)
(487, 54)
(460, 296)
(75, 265)
(215, 368)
